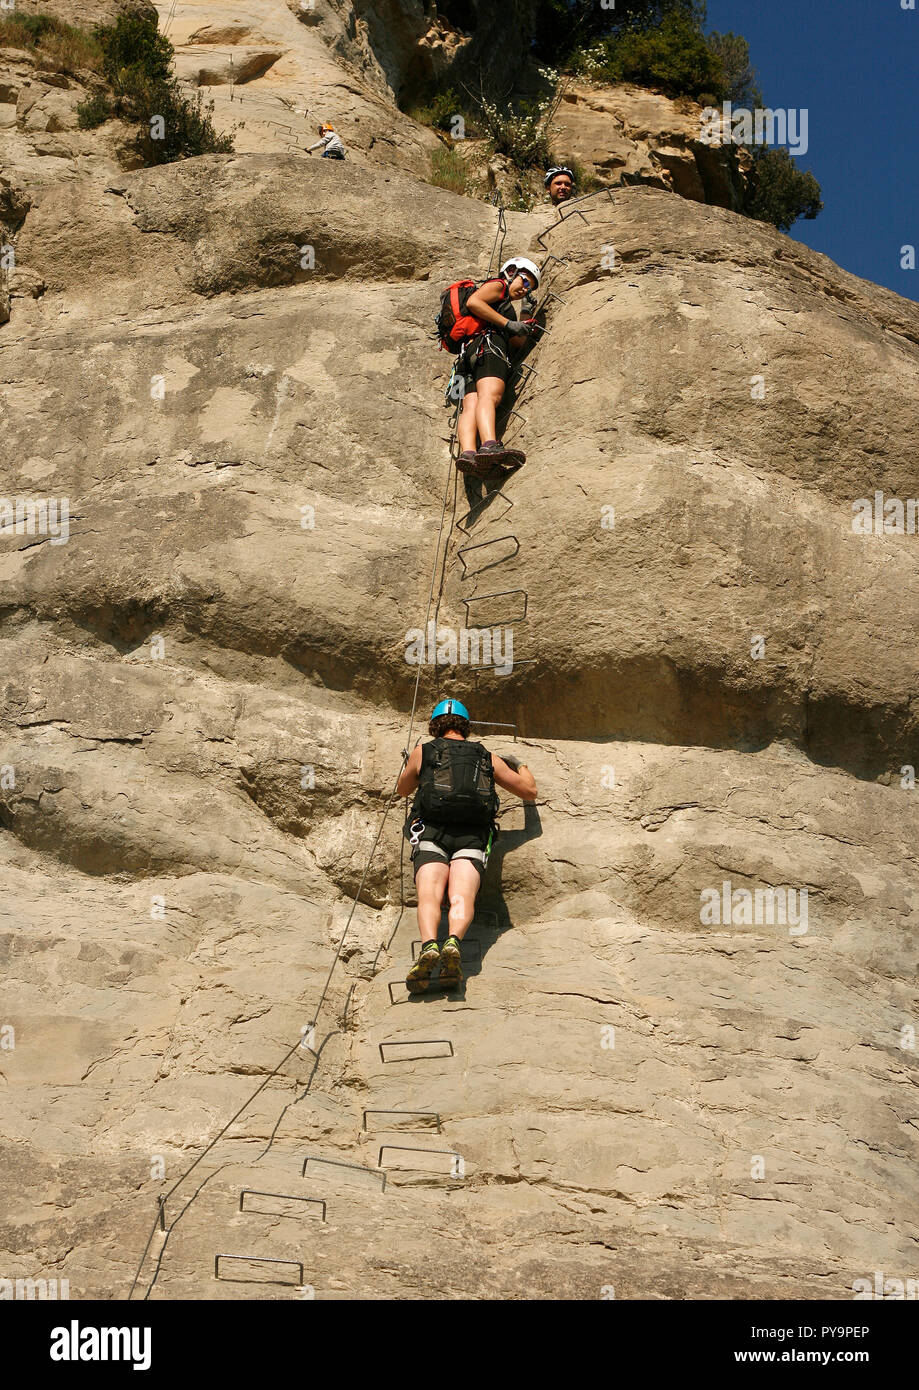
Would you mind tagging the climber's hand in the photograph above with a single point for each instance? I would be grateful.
(519, 328)
(512, 762)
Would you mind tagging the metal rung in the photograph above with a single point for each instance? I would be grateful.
(494, 671)
(428, 1114)
(283, 1196)
(408, 1149)
(259, 1260)
(550, 294)
(501, 593)
(583, 199)
(480, 545)
(490, 724)
(416, 1042)
(338, 1163)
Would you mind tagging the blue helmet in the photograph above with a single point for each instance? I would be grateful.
(450, 707)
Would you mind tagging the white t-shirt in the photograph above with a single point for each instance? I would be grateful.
(331, 141)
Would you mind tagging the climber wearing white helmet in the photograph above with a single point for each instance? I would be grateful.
(332, 147)
(484, 365)
(451, 828)
(559, 182)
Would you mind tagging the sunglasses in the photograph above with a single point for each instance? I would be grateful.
(527, 283)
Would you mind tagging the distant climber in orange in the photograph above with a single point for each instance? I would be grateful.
(451, 829)
(329, 142)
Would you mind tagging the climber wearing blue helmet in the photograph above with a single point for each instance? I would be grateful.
(451, 828)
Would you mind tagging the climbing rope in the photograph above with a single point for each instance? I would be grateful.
(501, 231)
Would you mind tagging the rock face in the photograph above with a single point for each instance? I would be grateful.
(651, 1081)
(626, 135)
(275, 72)
(85, 13)
(401, 46)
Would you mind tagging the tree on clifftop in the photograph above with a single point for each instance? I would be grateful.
(140, 87)
(778, 191)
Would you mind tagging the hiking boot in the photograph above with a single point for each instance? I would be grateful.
(416, 980)
(466, 461)
(492, 449)
(497, 457)
(451, 970)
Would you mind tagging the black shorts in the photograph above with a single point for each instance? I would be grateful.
(474, 365)
(439, 846)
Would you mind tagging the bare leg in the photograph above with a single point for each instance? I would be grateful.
(465, 425)
(463, 885)
(489, 391)
(430, 882)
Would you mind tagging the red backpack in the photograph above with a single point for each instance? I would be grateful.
(454, 325)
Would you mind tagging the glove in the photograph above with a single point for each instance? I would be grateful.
(518, 327)
(512, 762)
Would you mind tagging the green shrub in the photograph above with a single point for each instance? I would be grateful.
(448, 170)
(136, 64)
(565, 29)
(185, 123)
(778, 191)
(440, 110)
(738, 74)
(584, 180)
(133, 49)
(519, 133)
(523, 133)
(94, 110)
(134, 61)
(673, 56)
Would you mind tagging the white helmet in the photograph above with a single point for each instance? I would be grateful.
(513, 267)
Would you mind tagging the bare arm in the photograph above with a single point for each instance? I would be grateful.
(408, 777)
(481, 303)
(521, 783)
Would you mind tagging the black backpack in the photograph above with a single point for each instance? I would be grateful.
(456, 785)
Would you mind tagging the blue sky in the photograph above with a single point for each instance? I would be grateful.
(855, 65)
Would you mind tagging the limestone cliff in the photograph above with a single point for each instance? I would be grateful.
(205, 693)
